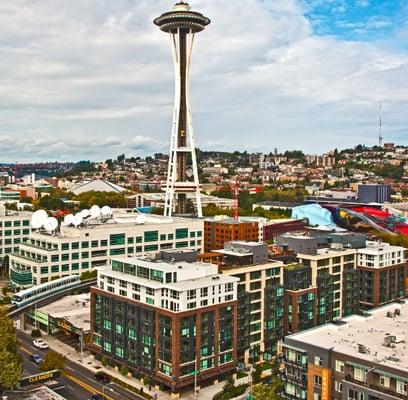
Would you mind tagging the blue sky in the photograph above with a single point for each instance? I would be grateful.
(96, 80)
(367, 20)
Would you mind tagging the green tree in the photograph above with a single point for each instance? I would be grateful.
(104, 361)
(124, 370)
(229, 385)
(270, 392)
(10, 361)
(53, 360)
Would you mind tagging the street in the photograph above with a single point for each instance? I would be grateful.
(78, 383)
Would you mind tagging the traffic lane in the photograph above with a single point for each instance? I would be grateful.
(66, 388)
(78, 371)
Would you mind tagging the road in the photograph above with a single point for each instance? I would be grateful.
(78, 384)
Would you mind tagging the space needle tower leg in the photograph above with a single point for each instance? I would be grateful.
(182, 24)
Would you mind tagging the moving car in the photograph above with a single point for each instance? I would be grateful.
(40, 344)
(101, 378)
(36, 359)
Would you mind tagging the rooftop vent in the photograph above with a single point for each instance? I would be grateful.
(388, 340)
(362, 349)
(393, 358)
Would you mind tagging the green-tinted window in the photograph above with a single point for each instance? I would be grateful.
(65, 246)
(156, 275)
(104, 243)
(119, 328)
(85, 254)
(54, 268)
(162, 237)
(26, 222)
(107, 324)
(65, 267)
(139, 239)
(181, 233)
(97, 340)
(85, 245)
(55, 257)
(65, 257)
(7, 224)
(75, 256)
(139, 249)
(149, 301)
(75, 266)
(131, 250)
(152, 247)
(115, 252)
(119, 351)
(107, 347)
(151, 236)
(117, 239)
(85, 265)
(170, 236)
(132, 333)
(199, 233)
(17, 223)
(26, 231)
(94, 243)
(181, 244)
(75, 245)
(117, 266)
(130, 240)
(255, 275)
(44, 270)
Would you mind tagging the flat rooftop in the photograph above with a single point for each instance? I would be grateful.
(74, 309)
(370, 332)
(375, 248)
(41, 393)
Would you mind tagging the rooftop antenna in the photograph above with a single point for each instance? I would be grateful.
(380, 136)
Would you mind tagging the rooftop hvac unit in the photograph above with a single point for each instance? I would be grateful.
(362, 349)
(388, 340)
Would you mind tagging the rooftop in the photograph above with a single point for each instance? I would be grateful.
(74, 309)
(42, 393)
(379, 248)
(370, 332)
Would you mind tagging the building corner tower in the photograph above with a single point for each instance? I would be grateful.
(182, 24)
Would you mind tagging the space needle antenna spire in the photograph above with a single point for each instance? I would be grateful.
(181, 23)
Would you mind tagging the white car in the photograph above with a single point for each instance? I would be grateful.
(40, 344)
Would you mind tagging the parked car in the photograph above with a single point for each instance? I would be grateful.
(40, 344)
(102, 378)
(36, 359)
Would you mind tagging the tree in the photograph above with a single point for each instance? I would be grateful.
(229, 385)
(10, 361)
(270, 392)
(257, 373)
(53, 360)
(104, 361)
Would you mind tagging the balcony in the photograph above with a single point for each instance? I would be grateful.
(376, 390)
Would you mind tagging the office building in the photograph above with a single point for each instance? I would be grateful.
(383, 272)
(74, 250)
(358, 358)
(14, 229)
(374, 193)
(166, 320)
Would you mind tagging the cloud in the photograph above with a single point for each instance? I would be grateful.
(78, 82)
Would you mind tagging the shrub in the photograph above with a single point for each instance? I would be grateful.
(35, 333)
(235, 392)
(123, 370)
(105, 361)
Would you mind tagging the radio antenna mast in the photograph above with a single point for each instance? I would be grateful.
(380, 136)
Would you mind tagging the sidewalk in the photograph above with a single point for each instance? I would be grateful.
(88, 361)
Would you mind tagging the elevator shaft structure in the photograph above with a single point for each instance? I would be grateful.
(182, 24)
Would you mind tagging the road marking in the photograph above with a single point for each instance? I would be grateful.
(26, 350)
(86, 386)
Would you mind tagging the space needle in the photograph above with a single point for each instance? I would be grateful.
(182, 24)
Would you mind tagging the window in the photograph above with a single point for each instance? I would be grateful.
(149, 301)
(354, 395)
(339, 366)
(318, 380)
(384, 381)
(107, 347)
(255, 275)
(204, 292)
(338, 386)
(402, 387)
(191, 294)
(191, 305)
(151, 236)
(119, 351)
(107, 324)
(150, 291)
(182, 233)
(116, 239)
(317, 396)
(359, 374)
(318, 361)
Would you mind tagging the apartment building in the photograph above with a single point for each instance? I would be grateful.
(358, 358)
(166, 320)
(260, 299)
(74, 250)
(14, 229)
(383, 272)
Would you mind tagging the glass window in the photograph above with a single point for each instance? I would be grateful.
(339, 366)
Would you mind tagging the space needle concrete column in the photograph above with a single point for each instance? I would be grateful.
(182, 24)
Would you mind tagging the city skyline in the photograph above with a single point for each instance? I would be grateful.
(91, 82)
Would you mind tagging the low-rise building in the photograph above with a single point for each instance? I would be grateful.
(358, 358)
(166, 320)
(73, 250)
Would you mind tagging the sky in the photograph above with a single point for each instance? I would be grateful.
(91, 79)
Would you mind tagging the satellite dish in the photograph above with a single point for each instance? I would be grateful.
(106, 210)
(36, 224)
(95, 211)
(85, 213)
(38, 218)
(77, 219)
(141, 219)
(69, 219)
(51, 224)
